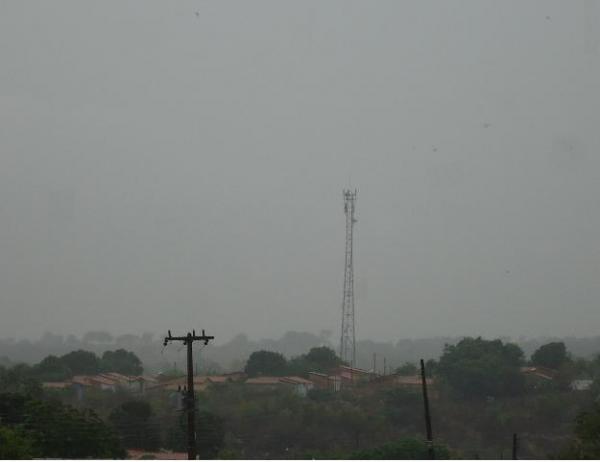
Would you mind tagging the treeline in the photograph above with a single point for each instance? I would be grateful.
(318, 359)
(478, 368)
(233, 354)
(57, 368)
(480, 396)
(36, 428)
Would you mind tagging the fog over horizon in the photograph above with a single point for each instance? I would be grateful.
(180, 165)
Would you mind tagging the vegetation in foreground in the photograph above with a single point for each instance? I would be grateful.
(480, 398)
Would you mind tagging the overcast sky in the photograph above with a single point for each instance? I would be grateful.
(180, 164)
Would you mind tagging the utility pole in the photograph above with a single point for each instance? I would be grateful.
(375, 363)
(427, 415)
(188, 341)
(384, 366)
(515, 445)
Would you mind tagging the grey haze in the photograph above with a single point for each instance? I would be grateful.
(180, 164)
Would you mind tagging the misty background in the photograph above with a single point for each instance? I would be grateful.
(180, 165)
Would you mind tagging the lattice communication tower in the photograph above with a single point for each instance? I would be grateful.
(347, 342)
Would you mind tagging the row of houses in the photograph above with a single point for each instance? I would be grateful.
(109, 381)
(341, 377)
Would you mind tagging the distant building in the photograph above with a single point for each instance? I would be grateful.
(301, 386)
(350, 376)
(403, 381)
(200, 383)
(298, 385)
(107, 381)
(539, 372)
(325, 382)
(581, 384)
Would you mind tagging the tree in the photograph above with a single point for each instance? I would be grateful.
(210, 434)
(319, 359)
(403, 407)
(52, 369)
(19, 379)
(324, 358)
(121, 361)
(551, 355)
(82, 362)
(586, 443)
(407, 368)
(14, 444)
(266, 363)
(133, 421)
(476, 368)
(57, 430)
(357, 422)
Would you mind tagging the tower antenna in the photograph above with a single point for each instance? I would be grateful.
(348, 332)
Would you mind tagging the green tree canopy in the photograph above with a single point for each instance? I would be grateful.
(52, 369)
(323, 357)
(318, 359)
(57, 430)
(407, 368)
(586, 443)
(134, 423)
(552, 355)
(210, 434)
(81, 362)
(266, 363)
(14, 444)
(477, 368)
(19, 379)
(121, 361)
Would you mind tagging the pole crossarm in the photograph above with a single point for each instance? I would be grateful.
(189, 337)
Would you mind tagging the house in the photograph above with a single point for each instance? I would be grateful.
(539, 372)
(298, 385)
(350, 376)
(225, 378)
(325, 382)
(407, 382)
(57, 385)
(134, 383)
(263, 381)
(200, 383)
(107, 381)
(301, 385)
(581, 384)
(103, 383)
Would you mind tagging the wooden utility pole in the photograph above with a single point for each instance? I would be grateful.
(427, 415)
(188, 341)
(514, 446)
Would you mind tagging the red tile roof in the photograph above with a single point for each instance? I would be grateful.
(102, 380)
(296, 380)
(56, 384)
(263, 381)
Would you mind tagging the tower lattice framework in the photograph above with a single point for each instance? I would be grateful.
(347, 342)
